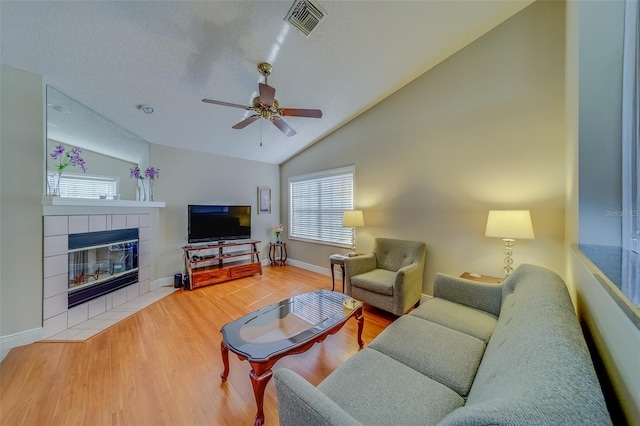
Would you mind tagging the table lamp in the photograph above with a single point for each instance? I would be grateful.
(353, 218)
(509, 225)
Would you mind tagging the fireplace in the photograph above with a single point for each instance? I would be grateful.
(100, 263)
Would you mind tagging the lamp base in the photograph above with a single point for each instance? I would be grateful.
(508, 252)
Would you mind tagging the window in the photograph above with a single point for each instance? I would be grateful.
(85, 186)
(317, 203)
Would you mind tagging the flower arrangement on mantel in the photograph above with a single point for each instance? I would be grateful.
(278, 229)
(150, 175)
(66, 158)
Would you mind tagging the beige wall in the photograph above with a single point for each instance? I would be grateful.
(189, 177)
(483, 130)
(21, 189)
(594, 38)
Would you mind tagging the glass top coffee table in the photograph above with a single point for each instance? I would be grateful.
(288, 327)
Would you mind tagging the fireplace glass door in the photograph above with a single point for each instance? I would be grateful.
(93, 265)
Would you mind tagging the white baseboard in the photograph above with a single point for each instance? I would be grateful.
(22, 338)
(313, 268)
(161, 282)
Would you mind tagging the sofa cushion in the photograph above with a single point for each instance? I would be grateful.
(378, 390)
(377, 281)
(473, 322)
(441, 353)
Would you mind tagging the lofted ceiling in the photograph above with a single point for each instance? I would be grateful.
(114, 55)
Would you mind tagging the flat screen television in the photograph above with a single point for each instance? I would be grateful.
(209, 223)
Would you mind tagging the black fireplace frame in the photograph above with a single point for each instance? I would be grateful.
(91, 239)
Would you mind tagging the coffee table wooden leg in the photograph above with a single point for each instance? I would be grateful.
(225, 361)
(260, 375)
(360, 319)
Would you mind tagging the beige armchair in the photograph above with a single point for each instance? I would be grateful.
(389, 278)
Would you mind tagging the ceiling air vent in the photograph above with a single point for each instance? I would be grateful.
(304, 15)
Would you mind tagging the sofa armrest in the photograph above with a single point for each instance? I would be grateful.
(301, 403)
(358, 265)
(486, 297)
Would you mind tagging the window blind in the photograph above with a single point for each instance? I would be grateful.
(85, 186)
(317, 203)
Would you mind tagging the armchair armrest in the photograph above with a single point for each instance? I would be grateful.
(408, 286)
(486, 297)
(358, 265)
(299, 402)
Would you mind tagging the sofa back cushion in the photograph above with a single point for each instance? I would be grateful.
(395, 254)
(536, 368)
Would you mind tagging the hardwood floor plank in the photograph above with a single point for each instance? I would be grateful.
(162, 365)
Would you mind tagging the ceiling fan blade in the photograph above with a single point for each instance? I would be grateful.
(267, 94)
(284, 127)
(298, 112)
(244, 123)
(210, 101)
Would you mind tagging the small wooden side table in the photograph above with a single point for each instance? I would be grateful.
(337, 259)
(482, 278)
(278, 253)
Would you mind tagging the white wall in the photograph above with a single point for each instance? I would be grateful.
(482, 130)
(21, 189)
(189, 177)
(594, 46)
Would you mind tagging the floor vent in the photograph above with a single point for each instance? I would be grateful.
(305, 15)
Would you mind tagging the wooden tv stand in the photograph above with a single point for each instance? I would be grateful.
(212, 263)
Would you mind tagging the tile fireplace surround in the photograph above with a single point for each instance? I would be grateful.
(85, 320)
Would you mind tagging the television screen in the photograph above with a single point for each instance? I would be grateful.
(218, 223)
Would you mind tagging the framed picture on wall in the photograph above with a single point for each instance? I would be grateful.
(264, 200)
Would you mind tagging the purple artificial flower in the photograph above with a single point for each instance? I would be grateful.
(57, 151)
(152, 172)
(135, 173)
(76, 160)
(68, 158)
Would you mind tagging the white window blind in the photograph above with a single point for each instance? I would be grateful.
(85, 186)
(317, 203)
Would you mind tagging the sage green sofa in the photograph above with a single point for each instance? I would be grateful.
(475, 354)
(390, 277)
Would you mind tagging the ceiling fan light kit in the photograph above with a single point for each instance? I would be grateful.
(266, 106)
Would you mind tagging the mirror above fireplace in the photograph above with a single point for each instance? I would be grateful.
(109, 150)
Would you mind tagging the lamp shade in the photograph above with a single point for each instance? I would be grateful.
(352, 218)
(514, 224)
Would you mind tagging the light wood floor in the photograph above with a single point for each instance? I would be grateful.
(162, 365)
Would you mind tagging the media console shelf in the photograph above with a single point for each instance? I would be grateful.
(216, 263)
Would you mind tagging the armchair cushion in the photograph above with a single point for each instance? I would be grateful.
(378, 281)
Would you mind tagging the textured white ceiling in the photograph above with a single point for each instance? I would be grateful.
(114, 55)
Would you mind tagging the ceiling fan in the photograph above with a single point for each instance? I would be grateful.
(267, 107)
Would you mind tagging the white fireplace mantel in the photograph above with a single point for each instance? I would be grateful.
(92, 202)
